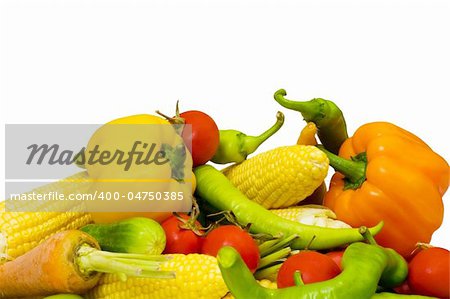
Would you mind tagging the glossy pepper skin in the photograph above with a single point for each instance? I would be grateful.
(394, 177)
(325, 114)
(363, 266)
(142, 130)
(235, 146)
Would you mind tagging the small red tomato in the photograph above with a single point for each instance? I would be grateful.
(336, 256)
(313, 267)
(203, 139)
(236, 237)
(429, 273)
(179, 239)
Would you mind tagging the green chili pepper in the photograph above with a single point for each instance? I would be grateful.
(396, 269)
(235, 146)
(363, 265)
(327, 116)
(218, 191)
(385, 295)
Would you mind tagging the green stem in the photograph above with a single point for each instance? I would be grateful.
(276, 246)
(267, 272)
(89, 259)
(310, 110)
(364, 231)
(329, 119)
(354, 170)
(251, 143)
(265, 248)
(273, 257)
(396, 269)
(298, 279)
(235, 146)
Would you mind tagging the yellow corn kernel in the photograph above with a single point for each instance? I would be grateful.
(197, 276)
(281, 177)
(22, 231)
(311, 215)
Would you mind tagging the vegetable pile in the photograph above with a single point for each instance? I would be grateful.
(264, 226)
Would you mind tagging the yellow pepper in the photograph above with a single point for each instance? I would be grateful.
(145, 155)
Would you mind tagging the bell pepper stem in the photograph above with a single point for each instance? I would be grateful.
(251, 143)
(329, 119)
(354, 170)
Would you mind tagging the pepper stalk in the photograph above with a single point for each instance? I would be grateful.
(235, 146)
(354, 170)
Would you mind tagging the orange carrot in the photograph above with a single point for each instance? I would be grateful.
(70, 262)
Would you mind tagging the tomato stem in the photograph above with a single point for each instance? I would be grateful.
(177, 119)
(191, 223)
(298, 278)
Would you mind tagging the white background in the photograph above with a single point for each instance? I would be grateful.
(93, 61)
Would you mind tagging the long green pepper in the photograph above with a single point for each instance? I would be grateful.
(215, 188)
(363, 266)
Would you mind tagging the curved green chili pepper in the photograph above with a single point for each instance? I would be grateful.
(214, 187)
(385, 295)
(363, 265)
(235, 146)
(327, 116)
(396, 269)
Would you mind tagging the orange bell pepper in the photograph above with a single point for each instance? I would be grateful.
(385, 173)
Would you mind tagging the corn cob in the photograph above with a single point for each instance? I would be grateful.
(311, 215)
(281, 177)
(22, 231)
(197, 277)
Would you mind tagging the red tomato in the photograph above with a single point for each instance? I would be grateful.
(236, 237)
(204, 138)
(336, 256)
(429, 273)
(180, 240)
(313, 267)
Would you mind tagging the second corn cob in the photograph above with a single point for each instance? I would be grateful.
(22, 231)
(197, 276)
(281, 177)
(311, 215)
